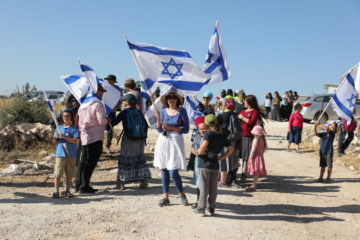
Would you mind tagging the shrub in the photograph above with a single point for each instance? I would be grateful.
(22, 111)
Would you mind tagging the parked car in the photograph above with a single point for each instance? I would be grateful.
(314, 105)
(53, 96)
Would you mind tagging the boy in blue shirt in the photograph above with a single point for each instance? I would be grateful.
(326, 148)
(68, 136)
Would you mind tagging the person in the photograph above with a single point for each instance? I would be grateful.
(111, 78)
(346, 129)
(132, 165)
(250, 117)
(205, 108)
(240, 101)
(326, 148)
(222, 96)
(283, 108)
(290, 101)
(212, 144)
(229, 93)
(218, 106)
(68, 135)
(256, 163)
(130, 86)
(92, 122)
(295, 127)
(231, 164)
(172, 122)
(268, 104)
(275, 109)
(296, 96)
(202, 128)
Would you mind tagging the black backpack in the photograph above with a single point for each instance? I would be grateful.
(234, 129)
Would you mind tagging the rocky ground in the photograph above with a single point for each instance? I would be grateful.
(289, 203)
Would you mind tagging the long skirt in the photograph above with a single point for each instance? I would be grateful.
(170, 152)
(132, 163)
(275, 113)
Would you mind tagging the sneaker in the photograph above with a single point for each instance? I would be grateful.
(194, 205)
(88, 190)
(200, 212)
(120, 185)
(184, 201)
(211, 211)
(222, 184)
(68, 194)
(320, 180)
(56, 195)
(243, 177)
(328, 180)
(164, 202)
(144, 184)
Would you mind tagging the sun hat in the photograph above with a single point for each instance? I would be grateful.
(257, 130)
(199, 120)
(208, 94)
(210, 120)
(111, 77)
(172, 93)
(230, 104)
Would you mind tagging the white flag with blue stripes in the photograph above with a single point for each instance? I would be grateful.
(343, 101)
(216, 62)
(190, 104)
(79, 87)
(158, 65)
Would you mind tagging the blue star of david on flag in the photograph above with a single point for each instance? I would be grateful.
(350, 100)
(172, 63)
(209, 56)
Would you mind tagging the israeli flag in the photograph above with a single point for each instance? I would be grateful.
(343, 101)
(90, 76)
(145, 97)
(80, 89)
(158, 65)
(190, 104)
(151, 112)
(216, 62)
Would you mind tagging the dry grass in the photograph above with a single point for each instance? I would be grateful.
(5, 102)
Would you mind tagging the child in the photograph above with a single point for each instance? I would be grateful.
(69, 135)
(208, 164)
(202, 128)
(295, 127)
(326, 148)
(256, 163)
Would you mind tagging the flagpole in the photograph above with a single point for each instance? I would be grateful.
(140, 73)
(322, 113)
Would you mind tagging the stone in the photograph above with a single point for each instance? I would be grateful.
(43, 153)
(352, 167)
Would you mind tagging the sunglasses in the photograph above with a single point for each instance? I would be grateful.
(206, 97)
(171, 97)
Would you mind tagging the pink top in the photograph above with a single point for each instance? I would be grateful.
(296, 120)
(92, 122)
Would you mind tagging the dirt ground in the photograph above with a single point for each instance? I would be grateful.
(289, 204)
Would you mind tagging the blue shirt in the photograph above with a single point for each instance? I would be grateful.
(327, 139)
(179, 120)
(70, 132)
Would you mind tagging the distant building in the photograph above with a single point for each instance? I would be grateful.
(330, 87)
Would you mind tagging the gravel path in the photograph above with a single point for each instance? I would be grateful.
(289, 204)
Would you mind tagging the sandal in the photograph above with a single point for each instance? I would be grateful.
(250, 189)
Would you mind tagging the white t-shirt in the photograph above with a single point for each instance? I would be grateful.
(268, 102)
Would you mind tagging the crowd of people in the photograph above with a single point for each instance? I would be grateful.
(230, 130)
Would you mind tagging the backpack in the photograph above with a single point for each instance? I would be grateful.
(136, 124)
(234, 129)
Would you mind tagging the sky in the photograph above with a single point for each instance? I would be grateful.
(271, 45)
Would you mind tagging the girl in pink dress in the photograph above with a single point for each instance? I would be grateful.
(256, 163)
